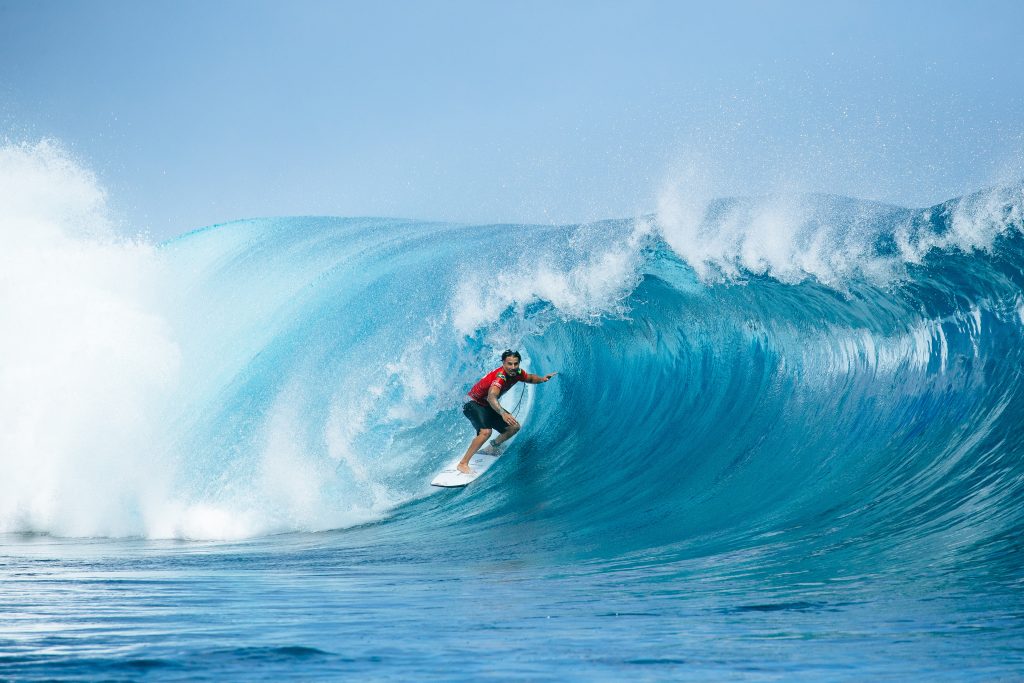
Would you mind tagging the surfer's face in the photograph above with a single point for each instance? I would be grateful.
(511, 365)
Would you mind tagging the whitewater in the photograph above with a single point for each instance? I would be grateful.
(784, 442)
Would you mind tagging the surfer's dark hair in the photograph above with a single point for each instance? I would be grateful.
(508, 353)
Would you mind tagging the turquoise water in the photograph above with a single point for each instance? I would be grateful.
(784, 443)
(323, 605)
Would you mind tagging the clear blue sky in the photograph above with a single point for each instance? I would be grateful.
(194, 113)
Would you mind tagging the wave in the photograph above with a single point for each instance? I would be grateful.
(801, 373)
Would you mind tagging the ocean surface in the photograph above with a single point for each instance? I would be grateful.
(784, 443)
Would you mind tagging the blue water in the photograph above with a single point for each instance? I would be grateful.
(784, 443)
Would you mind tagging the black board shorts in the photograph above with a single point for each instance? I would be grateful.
(484, 417)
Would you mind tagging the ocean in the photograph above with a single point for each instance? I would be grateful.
(784, 443)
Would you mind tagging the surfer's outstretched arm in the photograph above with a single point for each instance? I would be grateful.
(536, 379)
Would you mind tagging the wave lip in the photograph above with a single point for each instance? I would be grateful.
(832, 240)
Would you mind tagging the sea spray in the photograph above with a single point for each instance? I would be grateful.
(86, 358)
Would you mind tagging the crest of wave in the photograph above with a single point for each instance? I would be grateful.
(788, 237)
(970, 223)
(597, 272)
(794, 237)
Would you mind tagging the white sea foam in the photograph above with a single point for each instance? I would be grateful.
(85, 360)
(975, 222)
(794, 237)
(594, 284)
(788, 237)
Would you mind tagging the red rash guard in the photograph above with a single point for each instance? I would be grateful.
(496, 378)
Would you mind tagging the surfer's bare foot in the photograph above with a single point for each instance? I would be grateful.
(464, 468)
(491, 449)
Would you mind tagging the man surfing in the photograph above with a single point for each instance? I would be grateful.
(486, 413)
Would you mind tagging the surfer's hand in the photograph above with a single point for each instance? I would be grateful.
(549, 376)
(509, 419)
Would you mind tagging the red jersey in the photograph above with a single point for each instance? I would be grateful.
(496, 378)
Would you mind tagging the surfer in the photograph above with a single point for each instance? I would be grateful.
(486, 413)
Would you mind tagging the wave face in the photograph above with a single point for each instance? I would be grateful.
(780, 377)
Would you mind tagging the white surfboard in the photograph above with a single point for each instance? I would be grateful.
(450, 477)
